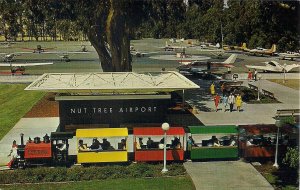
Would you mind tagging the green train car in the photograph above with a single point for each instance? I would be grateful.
(213, 142)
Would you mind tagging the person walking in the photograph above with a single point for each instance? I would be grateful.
(231, 101)
(249, 75)
(225, 101)
(212, 89)
(217, 100)
(255, 74)
(223, 89)
(238, 102)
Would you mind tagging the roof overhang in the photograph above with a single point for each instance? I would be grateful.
(112, 82)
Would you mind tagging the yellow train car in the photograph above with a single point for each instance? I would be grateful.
(113, 147)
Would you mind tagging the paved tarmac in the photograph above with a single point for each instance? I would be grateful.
(226, 175)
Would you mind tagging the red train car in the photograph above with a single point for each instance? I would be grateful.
(149, 144)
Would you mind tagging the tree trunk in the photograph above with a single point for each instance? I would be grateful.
(118, 38)
(116, 57)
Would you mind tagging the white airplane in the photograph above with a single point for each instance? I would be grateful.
(289, 55)
(174, 40)
(140, 54)
(9, 57)
(273, 66)
(200, 66)
(20, 67)
(168, 47)
(262, 51)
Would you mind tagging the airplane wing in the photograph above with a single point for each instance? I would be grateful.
(288, 68)
(24, 64)
(257, 67)
(147, 53)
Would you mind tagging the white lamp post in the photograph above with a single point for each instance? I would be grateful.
(165, 127)
(284, 70)
(278, 124)
(259, 78)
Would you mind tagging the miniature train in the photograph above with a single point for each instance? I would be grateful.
(193, 142)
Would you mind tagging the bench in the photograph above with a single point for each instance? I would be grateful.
(268, 93)
(285, 112)
(251, 86)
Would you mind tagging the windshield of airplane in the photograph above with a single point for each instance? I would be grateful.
(271, 63)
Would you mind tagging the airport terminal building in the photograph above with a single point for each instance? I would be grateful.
(113, 100)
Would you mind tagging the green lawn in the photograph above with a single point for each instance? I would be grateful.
(14, 103)
(167, 183)
(292, 83)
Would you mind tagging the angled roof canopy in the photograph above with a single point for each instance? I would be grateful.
(116, 82)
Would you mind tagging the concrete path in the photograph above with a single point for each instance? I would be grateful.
(30, 127)
(18, 78)
(251, 113)
(226, 175)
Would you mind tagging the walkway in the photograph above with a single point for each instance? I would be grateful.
(226, 175)
(251, 113)
(30, 127)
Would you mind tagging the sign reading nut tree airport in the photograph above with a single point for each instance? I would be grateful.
(112, 112)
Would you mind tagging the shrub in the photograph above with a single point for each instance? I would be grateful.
(79, 173)
(291, 158)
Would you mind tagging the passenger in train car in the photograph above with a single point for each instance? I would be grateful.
(249, 142)
(232, 141)
(96, 145)
(82, 147)
(215, 141)
(139, 143)
(149, 143)
(161, 143)
(122, 145)
(268, 141)
(191, 141)
(176, 143)
(106, 144)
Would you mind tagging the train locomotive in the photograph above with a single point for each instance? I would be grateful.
(49, 151)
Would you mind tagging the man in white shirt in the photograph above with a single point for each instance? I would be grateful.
(231, 101)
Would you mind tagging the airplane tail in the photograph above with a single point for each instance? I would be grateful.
(231, 59)
(244, 46)
(273, 48)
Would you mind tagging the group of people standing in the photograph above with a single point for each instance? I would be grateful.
(231, 100)
(252, 75)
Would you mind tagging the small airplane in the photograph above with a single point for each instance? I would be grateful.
(273, 66)
(197, 67)
(7, 44)
(140, 54)
(38, 49)
(174, 40)
(168, 47)
(262, 51)
(289, 55)
(9, 57)
(65, 56)
(20, 67)
(243, 47)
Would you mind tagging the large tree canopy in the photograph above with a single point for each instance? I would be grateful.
(110, 24)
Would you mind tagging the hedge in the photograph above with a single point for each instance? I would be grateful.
(79, 173)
